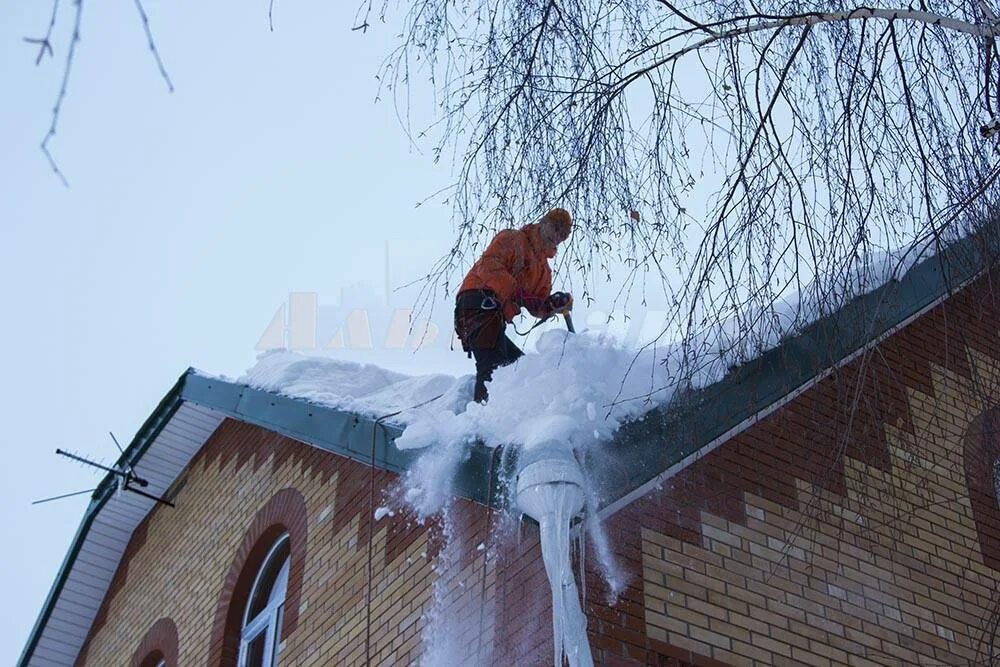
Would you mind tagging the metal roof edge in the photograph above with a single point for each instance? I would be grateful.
(338, 431)
(365, 439)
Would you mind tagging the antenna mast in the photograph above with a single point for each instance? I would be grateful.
(126, 476)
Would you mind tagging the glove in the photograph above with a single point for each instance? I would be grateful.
(559, 302)
(536, 305)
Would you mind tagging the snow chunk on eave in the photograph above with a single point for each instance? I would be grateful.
(366, 389)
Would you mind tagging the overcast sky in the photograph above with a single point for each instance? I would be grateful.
(190, 219)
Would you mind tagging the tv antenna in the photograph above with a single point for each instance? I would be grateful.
(125, 476)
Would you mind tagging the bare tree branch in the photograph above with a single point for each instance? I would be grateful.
(770, 147)
(152, 45)
(45, 43)
(45, 46)
(70, 54)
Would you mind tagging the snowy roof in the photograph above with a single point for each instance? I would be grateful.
(645, 445)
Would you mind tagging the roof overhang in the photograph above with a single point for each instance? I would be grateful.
(159, 452)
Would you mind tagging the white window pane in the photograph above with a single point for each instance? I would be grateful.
(277, 596)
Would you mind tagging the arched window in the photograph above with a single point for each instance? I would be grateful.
(261, 628)
(277, 533)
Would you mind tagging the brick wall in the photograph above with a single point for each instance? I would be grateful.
(180, 561)
(857, 525)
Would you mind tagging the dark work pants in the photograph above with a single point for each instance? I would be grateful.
(480, 326)
(490, 359)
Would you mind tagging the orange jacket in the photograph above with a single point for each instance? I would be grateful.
(515, 267)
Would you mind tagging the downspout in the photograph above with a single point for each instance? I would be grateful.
(550, 489)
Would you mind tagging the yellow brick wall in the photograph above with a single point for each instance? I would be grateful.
(888, 573)
(179, 570)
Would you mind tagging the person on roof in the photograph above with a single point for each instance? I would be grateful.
(512, 273)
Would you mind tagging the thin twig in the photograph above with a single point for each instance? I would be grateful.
(152, 45)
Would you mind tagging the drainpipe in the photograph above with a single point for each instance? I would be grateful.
(550, 491)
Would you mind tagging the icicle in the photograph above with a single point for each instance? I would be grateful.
(606, 562)
(549, 489)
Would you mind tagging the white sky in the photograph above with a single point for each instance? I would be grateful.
(190, 219)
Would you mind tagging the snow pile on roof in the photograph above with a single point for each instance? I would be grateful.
(573, 389)
(366, 389)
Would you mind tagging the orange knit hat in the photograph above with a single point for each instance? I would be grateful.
(561, 220)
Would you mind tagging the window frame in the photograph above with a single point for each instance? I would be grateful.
(268, 620)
